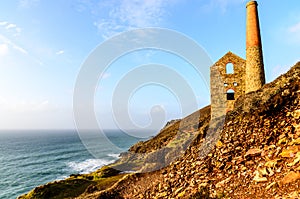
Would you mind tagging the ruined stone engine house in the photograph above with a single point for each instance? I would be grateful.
(232, 76)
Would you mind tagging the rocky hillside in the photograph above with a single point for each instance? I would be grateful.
(252, 153)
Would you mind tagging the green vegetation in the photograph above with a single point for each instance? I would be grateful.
(61, 189)
(76, 185)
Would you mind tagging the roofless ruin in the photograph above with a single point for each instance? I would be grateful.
(232, 76)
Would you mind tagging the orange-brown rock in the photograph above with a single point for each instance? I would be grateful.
(290, 177)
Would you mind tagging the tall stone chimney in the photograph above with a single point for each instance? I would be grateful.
(255, 75)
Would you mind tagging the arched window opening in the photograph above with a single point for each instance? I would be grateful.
(225, 84)
(229, 68)
(235, 84)
(230, 94)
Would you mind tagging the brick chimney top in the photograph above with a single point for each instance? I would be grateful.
(250, 3)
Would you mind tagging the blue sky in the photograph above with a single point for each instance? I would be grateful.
(44, 43)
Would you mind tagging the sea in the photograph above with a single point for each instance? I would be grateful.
(32, 158)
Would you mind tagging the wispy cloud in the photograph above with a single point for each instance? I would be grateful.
(295, 28)
(3, 23)
(27, 3)
(139, 13)
(221, 4)
(11, 27)
(115, 16)
(20, 49)
(60, 52)
(127, 14)
(293, 33)
(8, 42)
(11, 31)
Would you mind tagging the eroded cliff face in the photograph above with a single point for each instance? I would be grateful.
(256, 154)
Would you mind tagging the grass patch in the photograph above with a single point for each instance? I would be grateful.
(68, 188)
(76, 185)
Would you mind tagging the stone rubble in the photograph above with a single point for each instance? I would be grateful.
(257, 155)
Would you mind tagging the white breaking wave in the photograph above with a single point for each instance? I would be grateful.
(88, 165)
(114, 155)
(61, 178)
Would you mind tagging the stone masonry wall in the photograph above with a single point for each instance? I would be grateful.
(255, 74)
(221, 82)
